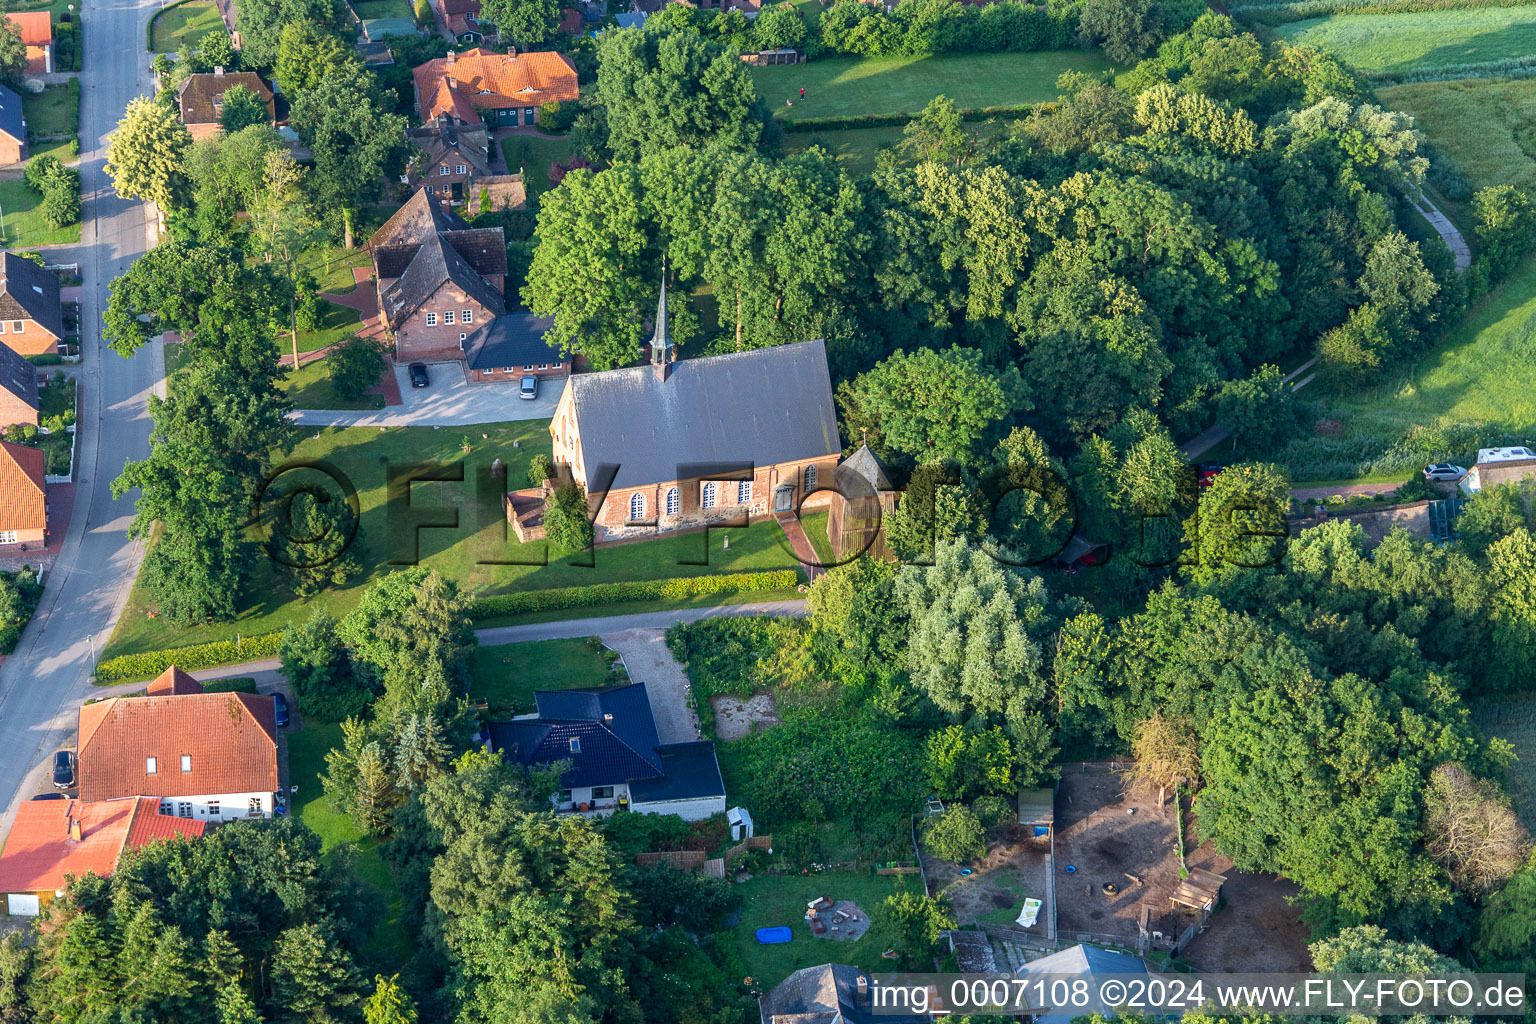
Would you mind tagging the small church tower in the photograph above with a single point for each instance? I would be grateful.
(661, 339)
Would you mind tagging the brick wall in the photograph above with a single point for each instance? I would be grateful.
(519, 372)
(431, 176)
(415, 338)
(33, 539)
(12, 151)
(33, 339)
(614, 520)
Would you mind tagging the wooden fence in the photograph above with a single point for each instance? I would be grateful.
(693, 860)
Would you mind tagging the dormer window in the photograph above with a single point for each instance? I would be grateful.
(575, 745)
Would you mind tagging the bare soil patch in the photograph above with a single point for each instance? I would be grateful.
(1114, 836)
(735, 718)
(993, 893)
(1255, 930)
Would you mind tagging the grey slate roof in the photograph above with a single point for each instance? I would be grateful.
(436, 263)
(11, 120)
(28, 292)
(1083, 960)
(863, 465)
(18, 376)
(514, 340)
(689, 771)
(825, 995)
(764, 406)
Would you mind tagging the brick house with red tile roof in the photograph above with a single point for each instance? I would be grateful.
(502, 89)
(437, 277)
(206, 756)
(51, 840)
(23, 501)
(173, 682)
(200, 98)
(37, 36)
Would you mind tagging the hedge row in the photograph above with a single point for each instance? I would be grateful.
(1509, 67)
(149, 664)
(1299, 10)
(636, 590)
(852, 121)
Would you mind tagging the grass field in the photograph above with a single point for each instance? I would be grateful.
(856, 148)
(1514, 719)
(185, 23)
(1429, 39)
(310, 388)
(506, 675)
(467, 553)
(336, 322)
(1487, 128)
(22, 226)
(534, 155)
(306, 760)
(54, 111)
(844, 86)
(371, 9)
(332, 267)
(1475, 390)
(771, 900)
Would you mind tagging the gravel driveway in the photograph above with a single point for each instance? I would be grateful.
(649, 661)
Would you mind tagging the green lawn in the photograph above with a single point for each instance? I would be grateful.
(185, 23)
(506, 675)
(534, 155)
(306, 761)
(310, 388)
(1428, 39)
(22, 226)
(332, 266)
(843, 86)
(1475, 390)
(1513, 718)
(1487, 127)
(368, 10)
(771, 900)
(462, 553)
(54, 111)
(60, 149)
(336, 323)
(638, 607)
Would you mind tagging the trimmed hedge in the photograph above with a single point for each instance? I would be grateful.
(149, 664)
(637, 590)
(852, 121)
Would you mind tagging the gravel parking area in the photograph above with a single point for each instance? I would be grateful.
(649, 661)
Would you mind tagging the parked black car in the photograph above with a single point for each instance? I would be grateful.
(50, 796)
(419, 377)
(280, 709)
(64, 769)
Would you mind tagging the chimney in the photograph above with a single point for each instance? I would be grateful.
(661, 339)
(862, 988)
(218, 71)
(607, 718)
(74, 829)
(451, 58)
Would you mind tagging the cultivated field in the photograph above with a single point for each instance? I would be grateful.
(1487, 128)
(1425, 40)
(845, 86)
(1478, 389)
(1514, 719)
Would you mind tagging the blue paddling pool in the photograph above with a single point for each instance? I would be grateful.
(774, 936)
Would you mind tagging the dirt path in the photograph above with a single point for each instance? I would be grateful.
(1315, 493)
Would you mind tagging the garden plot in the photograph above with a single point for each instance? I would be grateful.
(1256, 929)
(991, 896)
(1114, 836)
(735, 718)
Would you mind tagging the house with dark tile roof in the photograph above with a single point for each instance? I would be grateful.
(13, 128)
(31, 317)
(23, 496)
(512, 347)
(500, 89)
(608, 737)
(713, 440)
(454, 163)
(50, 840)
(438, 279)
(207, 756)
(19, 400)
(828, 994)
(200, 98)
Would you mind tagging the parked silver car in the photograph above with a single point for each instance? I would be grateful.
(1444, 471)
(529, 388)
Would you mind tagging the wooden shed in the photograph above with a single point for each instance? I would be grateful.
(1037, 808)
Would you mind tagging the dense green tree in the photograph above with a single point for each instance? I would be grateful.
(1494, 513)
(963, 765)
(956, 835)
(226, 172)
(567, 519)
(411, 630)
(525, 23)
(1089, 112)
(976, 646)
(261, 24)
(389, 1003)
(917, 921)
(1259, 407)
(146, 155)
(854, 609)
(1506, 926)
(927, 406)
(1506, 228)
(355, 366)
(316, 665)
(779, 28)
(937, 133)
(1512, 576)
(1128, 29)
(13, 52)
(242, 108)
(313, 979)
(674, 89)
(308, 53)
(355, 137)
(1240, 522)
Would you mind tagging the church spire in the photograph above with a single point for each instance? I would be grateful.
(661, 339)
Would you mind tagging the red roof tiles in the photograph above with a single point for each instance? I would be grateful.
(40, 851)
(479, 79)
(173, 682)
(22, 506)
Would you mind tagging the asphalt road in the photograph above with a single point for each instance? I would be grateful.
(45, 680)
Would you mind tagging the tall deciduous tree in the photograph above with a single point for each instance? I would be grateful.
(261, 24)
(13, 52)
(355, 137)
(242, 108)
(146, 155)
(527, 23)
(411, 629)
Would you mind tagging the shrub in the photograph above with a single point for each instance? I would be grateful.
(148, 664)
(595, 594)
(567, 522)
(540, 469)
(956, 835)
(235, 684)
(354, 366)
(45, 359)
